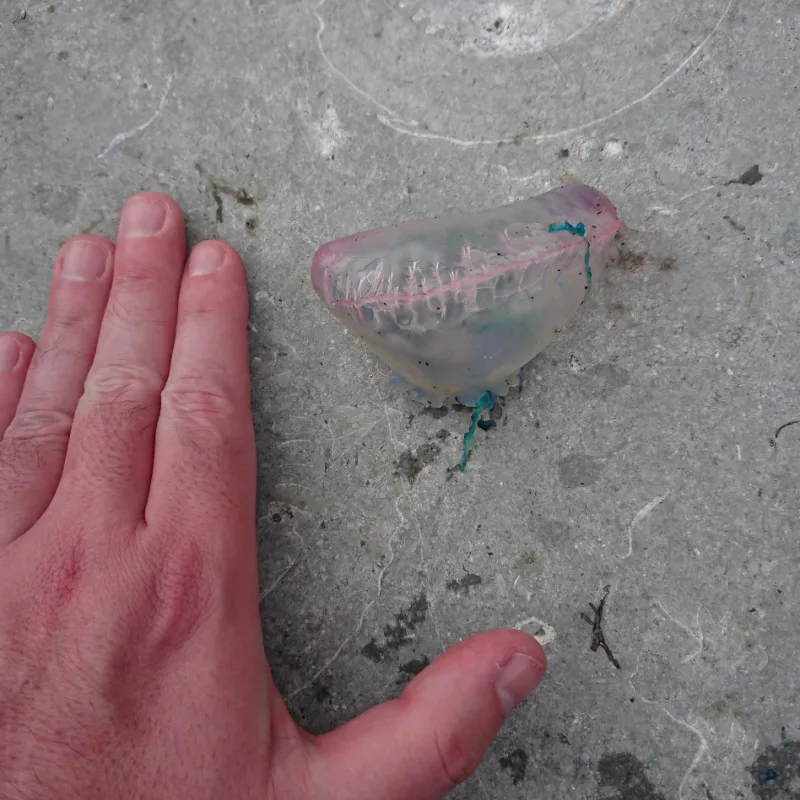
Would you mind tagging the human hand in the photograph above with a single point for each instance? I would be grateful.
(131, 655)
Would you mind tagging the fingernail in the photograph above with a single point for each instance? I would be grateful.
(143, 216)
(206, 258)
(9, 353)
(518, 677)
(84, 261)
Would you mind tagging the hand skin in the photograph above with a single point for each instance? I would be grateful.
(131, 656)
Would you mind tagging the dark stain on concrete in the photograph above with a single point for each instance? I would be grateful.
(373, 652)
(776, 772)
(411, 463)
(57, 203)
(412, 668)
(398, 634)
(668, 265)
(628, 259)
(464, 584)
(242, 196)
(515, 763)
(214, 189)
(579, 469)
(436, 413)
(626, 776)
(790, 240)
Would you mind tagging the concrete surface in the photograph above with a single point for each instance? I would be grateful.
(641, 455)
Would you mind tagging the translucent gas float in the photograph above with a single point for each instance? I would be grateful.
(458, 304)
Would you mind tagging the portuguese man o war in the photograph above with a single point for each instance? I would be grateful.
(458, 304)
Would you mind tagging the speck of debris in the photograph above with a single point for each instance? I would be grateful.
(734, 224)
(217, 199)
(598, 637)
(750, 177)
(244, 197)
(464, 584)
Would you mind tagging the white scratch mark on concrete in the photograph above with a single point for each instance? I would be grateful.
(547, 635)
(293, 562)
(483, 788)
(424, 563)
(640, 515)
(409, 127)
(738, 453)
(702, 747)
(304, 108)
(360, 624)
(671, 209)
(121, 137)
(696, 634)
(336, 70)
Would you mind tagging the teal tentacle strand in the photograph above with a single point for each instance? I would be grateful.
(485, 402)
(575, 230)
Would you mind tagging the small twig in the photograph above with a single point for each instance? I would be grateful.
(598, 637)
(785, 425)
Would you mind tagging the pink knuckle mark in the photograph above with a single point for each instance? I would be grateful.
(59, 574)
(197, 396)
(180, 590)
(39, 424)
(124, 382)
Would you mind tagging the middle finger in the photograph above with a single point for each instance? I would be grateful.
(110, 454)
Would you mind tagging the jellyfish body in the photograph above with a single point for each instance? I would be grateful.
(457, 305)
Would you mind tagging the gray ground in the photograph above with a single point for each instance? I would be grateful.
(641, 455)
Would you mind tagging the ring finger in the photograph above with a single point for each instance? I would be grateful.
(16, 352)
(34, 444)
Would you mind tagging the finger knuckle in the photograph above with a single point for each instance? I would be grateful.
(33, 443)
(181, 591)
(198, 397)
(124, 382)
(455, 759)
(38, 425)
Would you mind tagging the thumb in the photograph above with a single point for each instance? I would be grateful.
(435, 734)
